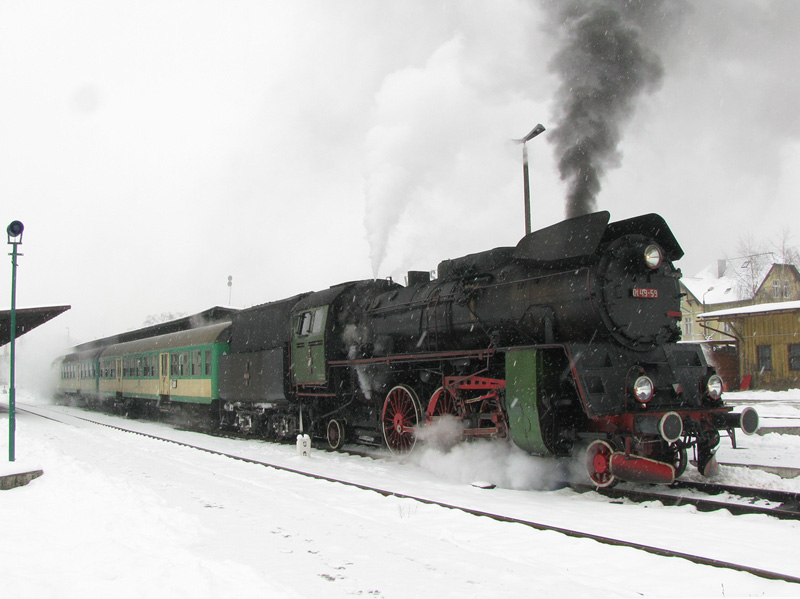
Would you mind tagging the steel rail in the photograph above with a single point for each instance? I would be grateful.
(789, 508)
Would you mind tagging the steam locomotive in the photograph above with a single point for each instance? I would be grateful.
(566, 344)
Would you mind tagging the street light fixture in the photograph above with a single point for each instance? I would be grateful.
(526, 182)
(14, 231)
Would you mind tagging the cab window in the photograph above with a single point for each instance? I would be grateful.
(304, 326)
(311, 322)
(317, 321)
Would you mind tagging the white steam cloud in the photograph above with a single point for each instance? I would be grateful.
(498, 462)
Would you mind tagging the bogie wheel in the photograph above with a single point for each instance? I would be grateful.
(335, 434)
(680, 459)
(401, 415)
(598, 464)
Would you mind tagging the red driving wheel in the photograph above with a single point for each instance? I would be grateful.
(401, 414)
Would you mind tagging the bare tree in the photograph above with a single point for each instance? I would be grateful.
(754, 261)
(785, 253)
(757, 256)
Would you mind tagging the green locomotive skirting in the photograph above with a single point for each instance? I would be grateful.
(523, 371)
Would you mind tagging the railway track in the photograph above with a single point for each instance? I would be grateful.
(737, 500)
(660, 551)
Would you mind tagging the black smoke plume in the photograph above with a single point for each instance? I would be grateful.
(604, 66)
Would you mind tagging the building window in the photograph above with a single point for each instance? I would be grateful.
(764, 355)
(776, 289)
(794, 356)
(786, 290)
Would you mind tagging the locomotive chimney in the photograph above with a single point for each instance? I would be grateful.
(525, 179)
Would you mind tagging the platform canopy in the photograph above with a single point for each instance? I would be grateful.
(27, 319)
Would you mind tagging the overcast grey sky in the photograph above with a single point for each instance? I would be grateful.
(153, 148)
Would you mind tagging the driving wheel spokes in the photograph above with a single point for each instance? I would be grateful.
(442, 403)
(401, 416)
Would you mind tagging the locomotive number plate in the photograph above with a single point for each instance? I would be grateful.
(644, 293)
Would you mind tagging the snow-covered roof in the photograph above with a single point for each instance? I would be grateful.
(710, 288)
(756, 309)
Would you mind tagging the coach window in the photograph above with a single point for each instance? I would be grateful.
(173, 364)
(208, 362)
(197, 362)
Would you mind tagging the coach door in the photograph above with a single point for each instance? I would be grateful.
(118, 374)
(163, 374)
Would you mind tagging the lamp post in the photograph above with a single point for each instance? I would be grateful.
(534, 132)
(14, 231)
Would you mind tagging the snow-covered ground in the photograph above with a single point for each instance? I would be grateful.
(120, 515)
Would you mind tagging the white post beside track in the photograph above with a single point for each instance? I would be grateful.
(304, 445)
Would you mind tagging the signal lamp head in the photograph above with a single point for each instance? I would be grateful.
(653, 256)
(714, 386)
(15, 230)
(643, 389)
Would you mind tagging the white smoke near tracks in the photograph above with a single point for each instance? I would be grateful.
(500, 463)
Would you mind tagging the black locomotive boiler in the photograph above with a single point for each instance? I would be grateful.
(567, 343)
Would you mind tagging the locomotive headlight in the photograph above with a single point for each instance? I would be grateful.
(714, 387)
(653, 256)
(643, 389)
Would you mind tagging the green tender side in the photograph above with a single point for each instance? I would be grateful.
(523, 371)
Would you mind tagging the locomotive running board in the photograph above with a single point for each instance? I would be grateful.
(637, 469)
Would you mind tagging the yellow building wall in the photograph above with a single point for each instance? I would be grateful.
(777, 331)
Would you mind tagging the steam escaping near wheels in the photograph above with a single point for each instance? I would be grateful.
(443, 433)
